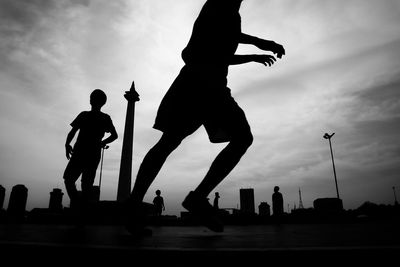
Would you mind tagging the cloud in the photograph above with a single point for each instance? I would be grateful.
(27, 24)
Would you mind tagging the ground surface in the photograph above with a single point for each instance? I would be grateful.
(314, 244)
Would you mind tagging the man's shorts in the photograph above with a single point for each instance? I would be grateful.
(196, 98)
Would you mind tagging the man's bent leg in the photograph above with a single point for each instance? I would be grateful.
(151, 165)
(196, 201)
(148, 170)
(224, 163)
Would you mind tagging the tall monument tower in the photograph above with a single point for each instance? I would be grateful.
(300, 201)
(125, 170)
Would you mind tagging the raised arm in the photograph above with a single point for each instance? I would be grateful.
(248, 39)
(262, 44)
(242, 59)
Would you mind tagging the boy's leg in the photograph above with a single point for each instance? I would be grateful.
(87, 181)
(71, 175)
(71, 188)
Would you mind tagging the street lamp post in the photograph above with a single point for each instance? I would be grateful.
(395, 197)
(327, 136)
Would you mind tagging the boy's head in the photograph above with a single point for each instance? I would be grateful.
(98, 98)
(158, 192)
(276, 188)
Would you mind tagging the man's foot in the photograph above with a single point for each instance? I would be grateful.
(202, 209)
(136, 220)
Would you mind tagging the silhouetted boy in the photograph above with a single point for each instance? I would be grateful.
(277, 202)
(85, 156)
(200, 96)
(158, 202)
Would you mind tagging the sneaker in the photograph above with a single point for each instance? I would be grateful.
(203, 211)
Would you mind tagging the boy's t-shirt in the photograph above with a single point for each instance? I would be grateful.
(158, 202)
(92, 126)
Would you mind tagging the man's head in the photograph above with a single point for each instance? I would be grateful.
(231, 5)
(158, 192)
(98, 98)
(235, 4)
(276, 188)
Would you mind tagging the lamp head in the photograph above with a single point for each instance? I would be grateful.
(327, 136)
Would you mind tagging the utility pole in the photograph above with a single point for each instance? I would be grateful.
(395, 197)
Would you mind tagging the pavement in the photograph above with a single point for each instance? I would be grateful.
(314, 244)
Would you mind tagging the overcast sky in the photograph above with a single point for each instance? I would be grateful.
(340, 74)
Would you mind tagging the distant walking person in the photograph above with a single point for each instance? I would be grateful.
(277, 202)
(85, 156)
(216, 201)
(158, 202)
(200, 96)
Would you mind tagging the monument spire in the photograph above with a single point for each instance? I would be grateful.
(300, 201)
(125, 170)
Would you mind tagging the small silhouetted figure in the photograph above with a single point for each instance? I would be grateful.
(158, 202)
(85, 156)
(216, 199)
(199, 96)
(277, 202)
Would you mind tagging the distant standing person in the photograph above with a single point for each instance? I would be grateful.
(216, 199)
(277, 202)
(158, 202)
(85, 156)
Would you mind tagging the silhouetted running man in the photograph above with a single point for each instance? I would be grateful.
(277, 202)
(200, 96)
(85, 156)
(158, 202)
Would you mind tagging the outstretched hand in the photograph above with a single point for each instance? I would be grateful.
(275, 48)
(264, 59)
(278, 50)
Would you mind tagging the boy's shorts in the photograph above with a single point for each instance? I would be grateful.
(197, 98)
(84, 164)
